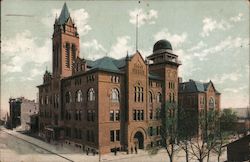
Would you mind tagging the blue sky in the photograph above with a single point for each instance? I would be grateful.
(211, 39)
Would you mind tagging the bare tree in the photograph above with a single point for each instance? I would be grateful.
(202, 144)
(169, 129)
(225, 128)
(186, 129)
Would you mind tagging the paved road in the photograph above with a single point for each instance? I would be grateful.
(16, 147)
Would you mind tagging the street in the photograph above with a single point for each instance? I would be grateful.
(17, 147)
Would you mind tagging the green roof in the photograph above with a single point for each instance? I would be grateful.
(162, 44)
(64, 14)
(194, 86)
(105, 63)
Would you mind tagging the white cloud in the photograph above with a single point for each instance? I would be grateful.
(10, 68)
(226, 44)
(237, 18)
(93, 49)
(121, 47)
(220, 79)
(21, 50)
(175, 39)
(49, 20)
(199, 46)
(210, 25)
(235, 90)
(143, 16)
(80, 16)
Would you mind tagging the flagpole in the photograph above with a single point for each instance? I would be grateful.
(136, 45)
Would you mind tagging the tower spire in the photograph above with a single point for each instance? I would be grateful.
(64, 14)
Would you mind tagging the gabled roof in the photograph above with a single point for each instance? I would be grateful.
(195, 86)
(64, 14)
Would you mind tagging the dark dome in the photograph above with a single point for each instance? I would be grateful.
(162, 44)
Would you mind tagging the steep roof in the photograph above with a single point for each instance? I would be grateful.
(64, 14)
(194, 86)
(107, 63)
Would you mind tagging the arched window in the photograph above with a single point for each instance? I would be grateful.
(158, 98)
(115, 95)
(150, 96)
(91, 94)
(68, 97)
(79, 96)
(211, 103)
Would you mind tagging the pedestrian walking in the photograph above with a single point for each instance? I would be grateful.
(115, 151)
(136, 150)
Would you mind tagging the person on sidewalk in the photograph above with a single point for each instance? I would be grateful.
(132, 150)
(135, 149)
(115, 151)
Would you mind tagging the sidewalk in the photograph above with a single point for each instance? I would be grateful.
(66, 153)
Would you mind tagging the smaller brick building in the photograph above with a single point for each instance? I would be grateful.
(197, 98)
(20, 111)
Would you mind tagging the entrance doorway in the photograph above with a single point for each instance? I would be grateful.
(139, 140)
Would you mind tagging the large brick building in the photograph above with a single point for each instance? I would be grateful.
(107, 103)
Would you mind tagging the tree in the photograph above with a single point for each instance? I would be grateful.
(169, 132)
(204, 141)
(228, 120)
(226, 127)
(186, 129)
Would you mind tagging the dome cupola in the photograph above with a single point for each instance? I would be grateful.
(162, 45)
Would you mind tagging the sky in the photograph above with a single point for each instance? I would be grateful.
(211, 39)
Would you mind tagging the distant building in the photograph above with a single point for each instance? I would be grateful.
(20, 111)
(239, 150)
(243, 122)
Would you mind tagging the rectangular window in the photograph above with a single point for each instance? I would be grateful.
(134, 114)
(111, 115)
(67, 57)
(142, 115)
(138, 115)
(80, 134)
(151, 131)
(92, 136)
(117, 115)
(151, 114)
(112, 136)
(93, 115)
(157, 130)
(117, 135)
(89, 115)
